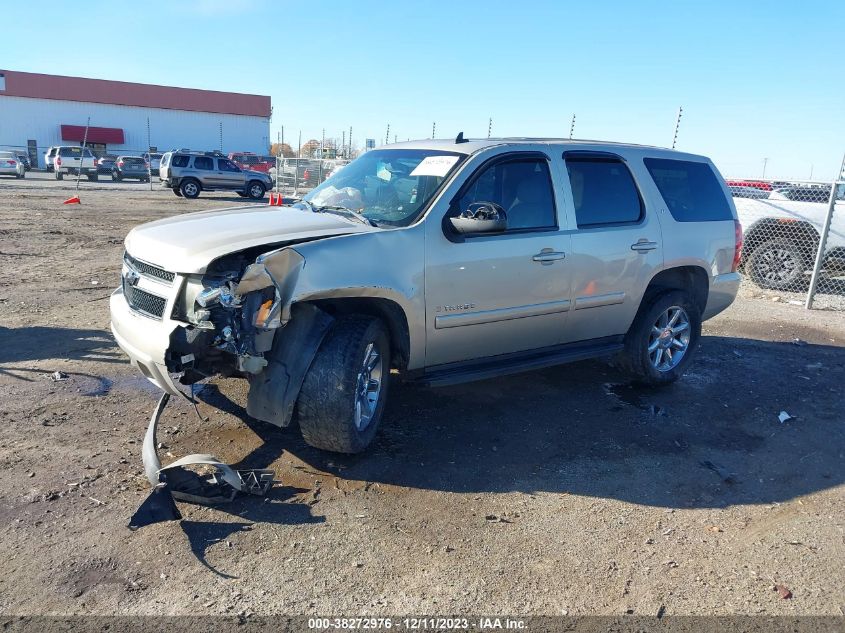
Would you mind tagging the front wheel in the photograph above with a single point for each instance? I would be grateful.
(342, 398)
(255, 190)
(662, 339)
(777, 265)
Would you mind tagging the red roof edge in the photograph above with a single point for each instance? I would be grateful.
(40, 86)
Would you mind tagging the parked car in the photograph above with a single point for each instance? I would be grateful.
(251, 161)
(105, 163)
(49, 157)
(300, 172)
(756, 193)
(802, 193)
(154, 159)
(187, 173)
(10, 165)
(447, 261)
(133, 167)
(73, 160)
(23, 157)
(782, 239)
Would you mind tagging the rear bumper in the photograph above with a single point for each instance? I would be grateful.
(144, 340)
(723, 290)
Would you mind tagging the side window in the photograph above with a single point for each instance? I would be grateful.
(691, 190)
(603, 191)
(522, 187)
(203, 162)
(180, 160)
(224, 164)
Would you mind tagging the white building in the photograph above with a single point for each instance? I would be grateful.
(37, 111)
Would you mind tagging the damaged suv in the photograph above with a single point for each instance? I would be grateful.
(445, 261)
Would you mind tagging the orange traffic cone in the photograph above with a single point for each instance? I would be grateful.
(272, 200)
(74, 200)
(280, 201)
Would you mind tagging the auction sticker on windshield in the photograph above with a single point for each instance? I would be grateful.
(434, 166)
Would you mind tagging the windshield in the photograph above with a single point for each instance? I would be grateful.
(387, 186)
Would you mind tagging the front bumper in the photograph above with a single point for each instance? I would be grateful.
(723, 290)
(144, 340)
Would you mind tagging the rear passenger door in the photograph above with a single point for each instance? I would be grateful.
(616, 245)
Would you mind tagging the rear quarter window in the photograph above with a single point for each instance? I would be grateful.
(180, 160)
(691, 190)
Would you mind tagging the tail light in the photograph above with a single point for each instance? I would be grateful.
(737, 245)
(147, 164)
(11, 162)
(120, 163)
(58, 161)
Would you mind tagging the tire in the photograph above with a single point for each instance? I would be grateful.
(59, 175)
(651, 367)
(177, 192)
(255, 190)
(328, 405)
(92, 177)
(241, 194)
(190, 189)
(778, 264)
(115, 177)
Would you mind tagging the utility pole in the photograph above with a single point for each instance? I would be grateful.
(387, 135)
(572, 127)
(278, 160)
(149, 162)
(343, 145)
(350, 143)
(765, 162)
(82, 156)
(489, 127)
(433, 128)
(677, 126)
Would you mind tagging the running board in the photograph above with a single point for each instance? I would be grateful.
(468, 371)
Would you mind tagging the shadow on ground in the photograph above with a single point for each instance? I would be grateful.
(711, 440)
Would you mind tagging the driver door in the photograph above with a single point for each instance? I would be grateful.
(499, 293)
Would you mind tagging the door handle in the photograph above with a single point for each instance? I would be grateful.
(643, 246)
(547, 256)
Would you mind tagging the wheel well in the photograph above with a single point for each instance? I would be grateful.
(692, 279)
(802, 233)
(388, 311)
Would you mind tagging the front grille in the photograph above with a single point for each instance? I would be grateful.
(148, 270)
(144, 302)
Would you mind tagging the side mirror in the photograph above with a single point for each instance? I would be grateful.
(481, 217)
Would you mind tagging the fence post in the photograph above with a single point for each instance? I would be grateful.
(831, 205)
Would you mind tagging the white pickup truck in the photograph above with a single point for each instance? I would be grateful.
(72, 160)
(781, 239)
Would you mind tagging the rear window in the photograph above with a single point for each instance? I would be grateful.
(603, 191)
(71, 151)
(132, 160)
(180, 160)
(691, 190)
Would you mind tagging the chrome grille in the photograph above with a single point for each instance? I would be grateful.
(143, 301)
(148, 270)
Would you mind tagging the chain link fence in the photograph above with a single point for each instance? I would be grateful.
(794, 238)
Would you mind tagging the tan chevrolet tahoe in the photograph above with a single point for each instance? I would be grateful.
(446, 261)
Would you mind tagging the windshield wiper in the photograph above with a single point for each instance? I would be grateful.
(344, 211)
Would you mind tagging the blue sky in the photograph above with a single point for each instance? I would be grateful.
(756, 79)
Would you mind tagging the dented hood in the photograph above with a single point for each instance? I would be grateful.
(188, 243)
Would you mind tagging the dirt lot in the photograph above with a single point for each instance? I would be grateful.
(561, 491)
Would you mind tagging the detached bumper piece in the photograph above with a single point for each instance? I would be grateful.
(176, 481)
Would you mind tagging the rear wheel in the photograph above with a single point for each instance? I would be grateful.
(93, 177)
(190, 189)
(662, 339)
(255, 190)
(115, 176)
(177, 192)
(59, 175)
(777, 265)
(343, 395)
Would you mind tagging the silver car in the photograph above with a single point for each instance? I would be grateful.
(188, 173)
(11, 165)
(446, 261)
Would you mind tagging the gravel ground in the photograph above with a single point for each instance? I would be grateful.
(563, 491)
